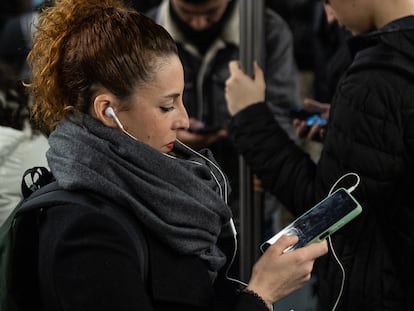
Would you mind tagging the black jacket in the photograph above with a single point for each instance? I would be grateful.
(370, 132)
(94, 258)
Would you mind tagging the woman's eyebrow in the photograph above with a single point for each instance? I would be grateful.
(173, 95)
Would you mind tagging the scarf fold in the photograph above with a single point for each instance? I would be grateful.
(176, 198)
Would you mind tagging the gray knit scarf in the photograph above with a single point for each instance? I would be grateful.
(176, 199)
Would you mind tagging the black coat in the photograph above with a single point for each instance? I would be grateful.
(370, 132)
(95, 258)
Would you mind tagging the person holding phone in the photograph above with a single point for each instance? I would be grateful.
(108, 90)
(370, 132)
(327, 79)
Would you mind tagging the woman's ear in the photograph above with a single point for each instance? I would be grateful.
(100, 105)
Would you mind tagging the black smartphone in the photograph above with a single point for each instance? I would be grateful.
(320, 221)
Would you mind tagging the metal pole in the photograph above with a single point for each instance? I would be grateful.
(251, 49)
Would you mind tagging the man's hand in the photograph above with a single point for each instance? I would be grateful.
(315, 132)
(243, 91)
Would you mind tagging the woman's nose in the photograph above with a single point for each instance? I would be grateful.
(183, 121)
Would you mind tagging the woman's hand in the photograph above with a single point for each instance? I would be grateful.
(277, 274)
(243, 91)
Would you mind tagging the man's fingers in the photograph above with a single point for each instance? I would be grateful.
(234, 66)
(258, 72)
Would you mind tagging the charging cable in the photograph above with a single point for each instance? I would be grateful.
(349, 190)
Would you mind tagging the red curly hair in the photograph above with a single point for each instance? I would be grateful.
(80, 46)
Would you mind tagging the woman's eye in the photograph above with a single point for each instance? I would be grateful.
(167, 109)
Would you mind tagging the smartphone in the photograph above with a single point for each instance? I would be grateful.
(320, 221)
(311, 118)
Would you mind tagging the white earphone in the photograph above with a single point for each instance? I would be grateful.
(110, 113)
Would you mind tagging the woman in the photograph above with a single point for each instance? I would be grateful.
(370, 132)
(108, 87)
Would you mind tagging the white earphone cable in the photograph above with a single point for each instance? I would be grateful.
(223, 192)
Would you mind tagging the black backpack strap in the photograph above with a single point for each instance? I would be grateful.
(24, 286)
(20, 255)
(52, 194)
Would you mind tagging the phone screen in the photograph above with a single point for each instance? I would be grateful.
(321, 220)
(323, 216)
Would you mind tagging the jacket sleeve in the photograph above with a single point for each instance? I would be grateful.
(280, 164)
(364, 136)
(248, 302)
(227, 292)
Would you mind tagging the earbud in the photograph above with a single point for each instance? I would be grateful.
(110, 113)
